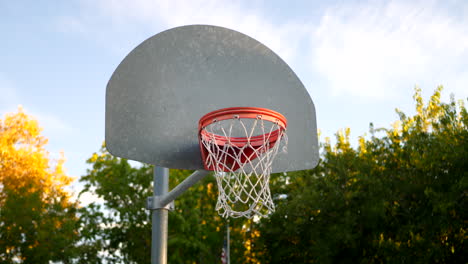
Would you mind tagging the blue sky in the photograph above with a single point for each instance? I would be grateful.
(358, 59)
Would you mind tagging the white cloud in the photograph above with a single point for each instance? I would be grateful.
(104, 15)
(375, 50)
(283, 39)
(370, 49)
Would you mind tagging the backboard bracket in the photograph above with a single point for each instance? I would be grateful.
(154, 203)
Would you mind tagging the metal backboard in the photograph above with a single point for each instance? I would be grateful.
(158, 93)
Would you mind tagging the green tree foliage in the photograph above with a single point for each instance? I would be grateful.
(121, 230)
(37, 219)
(399, 197)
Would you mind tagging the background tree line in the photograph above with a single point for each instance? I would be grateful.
(398, 196)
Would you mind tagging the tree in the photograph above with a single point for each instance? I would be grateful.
(37, 218)
(399, 197)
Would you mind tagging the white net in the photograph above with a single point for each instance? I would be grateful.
(241, 152)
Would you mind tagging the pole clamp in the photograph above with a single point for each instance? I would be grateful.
(154, 203)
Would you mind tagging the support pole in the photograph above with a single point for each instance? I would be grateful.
(160, 203)
(228, 244)
(159, 218)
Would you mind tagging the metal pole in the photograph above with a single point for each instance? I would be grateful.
(160, 203)
(228, 244)
(159, 218)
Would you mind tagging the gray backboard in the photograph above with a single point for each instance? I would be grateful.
(158, 93)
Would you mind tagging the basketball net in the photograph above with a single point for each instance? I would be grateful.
(240, 149)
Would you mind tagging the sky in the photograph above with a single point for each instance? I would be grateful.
(359, 60)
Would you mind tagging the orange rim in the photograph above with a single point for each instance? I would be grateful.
(242, 112)
(255, 141)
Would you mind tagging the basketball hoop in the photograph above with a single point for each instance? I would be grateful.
(240, 144)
